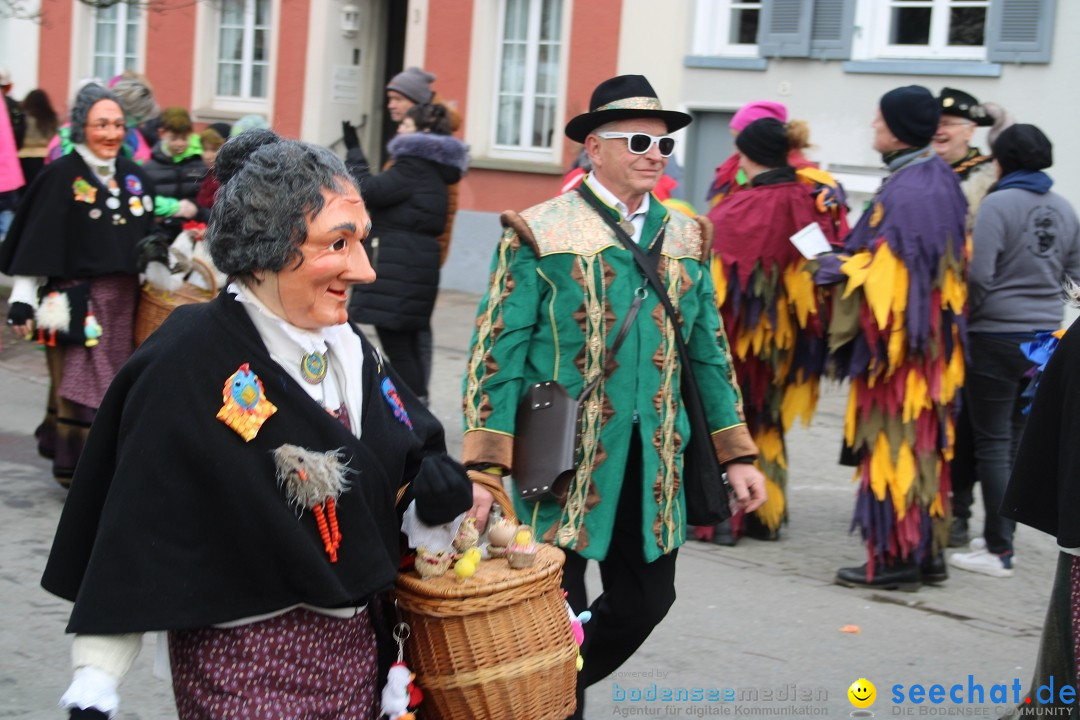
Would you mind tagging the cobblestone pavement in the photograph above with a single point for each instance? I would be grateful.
(761, 618)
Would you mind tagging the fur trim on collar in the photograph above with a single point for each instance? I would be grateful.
(442, 149)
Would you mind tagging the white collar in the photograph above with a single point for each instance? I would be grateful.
(609, 198)
(307, 340)
(96, 164)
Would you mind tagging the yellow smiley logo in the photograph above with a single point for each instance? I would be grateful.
(862, 693)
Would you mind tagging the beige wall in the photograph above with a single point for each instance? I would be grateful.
(838, 105)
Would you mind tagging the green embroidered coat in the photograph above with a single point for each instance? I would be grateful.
(560, 285)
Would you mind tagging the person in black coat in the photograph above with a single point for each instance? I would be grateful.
(1044, 493)
(244, 480)
(176, 168)
(408, 205)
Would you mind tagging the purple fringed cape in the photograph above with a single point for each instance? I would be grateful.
(922, 212)
(919, 213)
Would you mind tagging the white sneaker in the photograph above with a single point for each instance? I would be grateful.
(979, 545)
(983, 562)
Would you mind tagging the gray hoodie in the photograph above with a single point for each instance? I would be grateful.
(1026, 245)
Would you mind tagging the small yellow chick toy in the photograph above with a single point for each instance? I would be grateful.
(474, 554)
(465, 567)
(524, 536)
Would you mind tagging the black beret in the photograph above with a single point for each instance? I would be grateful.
(764, 141)
(912, 114)
(1023, 147)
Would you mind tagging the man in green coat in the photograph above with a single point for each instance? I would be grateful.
(561, 284)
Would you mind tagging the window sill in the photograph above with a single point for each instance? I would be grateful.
(523, 166)
(948, 68)
(213, 115)
(714, 62)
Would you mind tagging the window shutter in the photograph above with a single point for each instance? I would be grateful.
(785, 28)
(1020, 31)
(831, 29)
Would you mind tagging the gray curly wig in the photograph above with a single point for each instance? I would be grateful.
(269, 187)
(87, 98)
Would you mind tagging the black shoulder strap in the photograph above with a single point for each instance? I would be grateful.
(691, 395)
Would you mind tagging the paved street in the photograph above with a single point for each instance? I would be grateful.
(763, 619)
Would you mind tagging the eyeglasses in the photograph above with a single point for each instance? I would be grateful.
(639, 143)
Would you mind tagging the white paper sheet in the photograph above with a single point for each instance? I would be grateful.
(810, 241)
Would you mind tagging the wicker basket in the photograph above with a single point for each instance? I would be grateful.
(495, 647)
(155, 305)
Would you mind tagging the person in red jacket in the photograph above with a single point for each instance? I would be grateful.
(772, 311)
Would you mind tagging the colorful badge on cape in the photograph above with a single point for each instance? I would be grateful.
(112, 203)
(95, 213)
(133, 185)
(313, 367)
(135, 206)
(246, 406)
(84, 191)
(147, 203)
(390, 393)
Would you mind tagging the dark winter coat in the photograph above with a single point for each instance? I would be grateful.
(178, 178)
(408, 205)
(176, 521)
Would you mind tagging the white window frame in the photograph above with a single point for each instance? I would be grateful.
(524, 152)
(880, 19)
(712, 27)
(244, 102)
(119, 57)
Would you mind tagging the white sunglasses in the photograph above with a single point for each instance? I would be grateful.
(639, 142)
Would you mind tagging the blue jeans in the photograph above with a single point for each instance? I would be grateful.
(995, 381)
(6, 216)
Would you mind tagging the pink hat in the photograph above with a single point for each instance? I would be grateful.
(750, 112)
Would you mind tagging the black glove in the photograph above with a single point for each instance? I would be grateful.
(20, 313)
(442, 490)
(348, 134)
(87, 714)
(152, 248)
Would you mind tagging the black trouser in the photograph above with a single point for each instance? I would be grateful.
(994, 383)
(402, 348)
(636, 594)
(962, 467)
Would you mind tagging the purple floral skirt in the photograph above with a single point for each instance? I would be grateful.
(300, 665)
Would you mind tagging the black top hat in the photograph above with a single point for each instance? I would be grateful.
(959, 104)
(623, 98)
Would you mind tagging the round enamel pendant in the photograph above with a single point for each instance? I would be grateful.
(313, 367)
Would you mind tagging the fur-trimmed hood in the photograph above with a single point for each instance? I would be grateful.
(441, 149)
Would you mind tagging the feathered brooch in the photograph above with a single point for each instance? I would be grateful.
(314, 481)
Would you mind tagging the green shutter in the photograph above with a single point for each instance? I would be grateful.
(831, 28)
(1020, 31)
(785, 28)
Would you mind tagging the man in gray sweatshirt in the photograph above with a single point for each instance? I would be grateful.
(1026, 248)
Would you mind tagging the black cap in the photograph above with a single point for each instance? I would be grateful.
(912, 114)
(623, 98)
(960, 104)
(1023, 147)
(764, 141)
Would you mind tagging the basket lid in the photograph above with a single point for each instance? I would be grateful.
(492, 576)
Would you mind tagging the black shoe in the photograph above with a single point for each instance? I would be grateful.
(958, 533)
(722, 535)
(901, 576)
(934, 570)
(758, 530)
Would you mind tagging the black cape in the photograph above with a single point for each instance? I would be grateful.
(173, 521)
(1044, 490)
(63, 231)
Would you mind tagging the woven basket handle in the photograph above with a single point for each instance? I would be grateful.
(203, 268)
